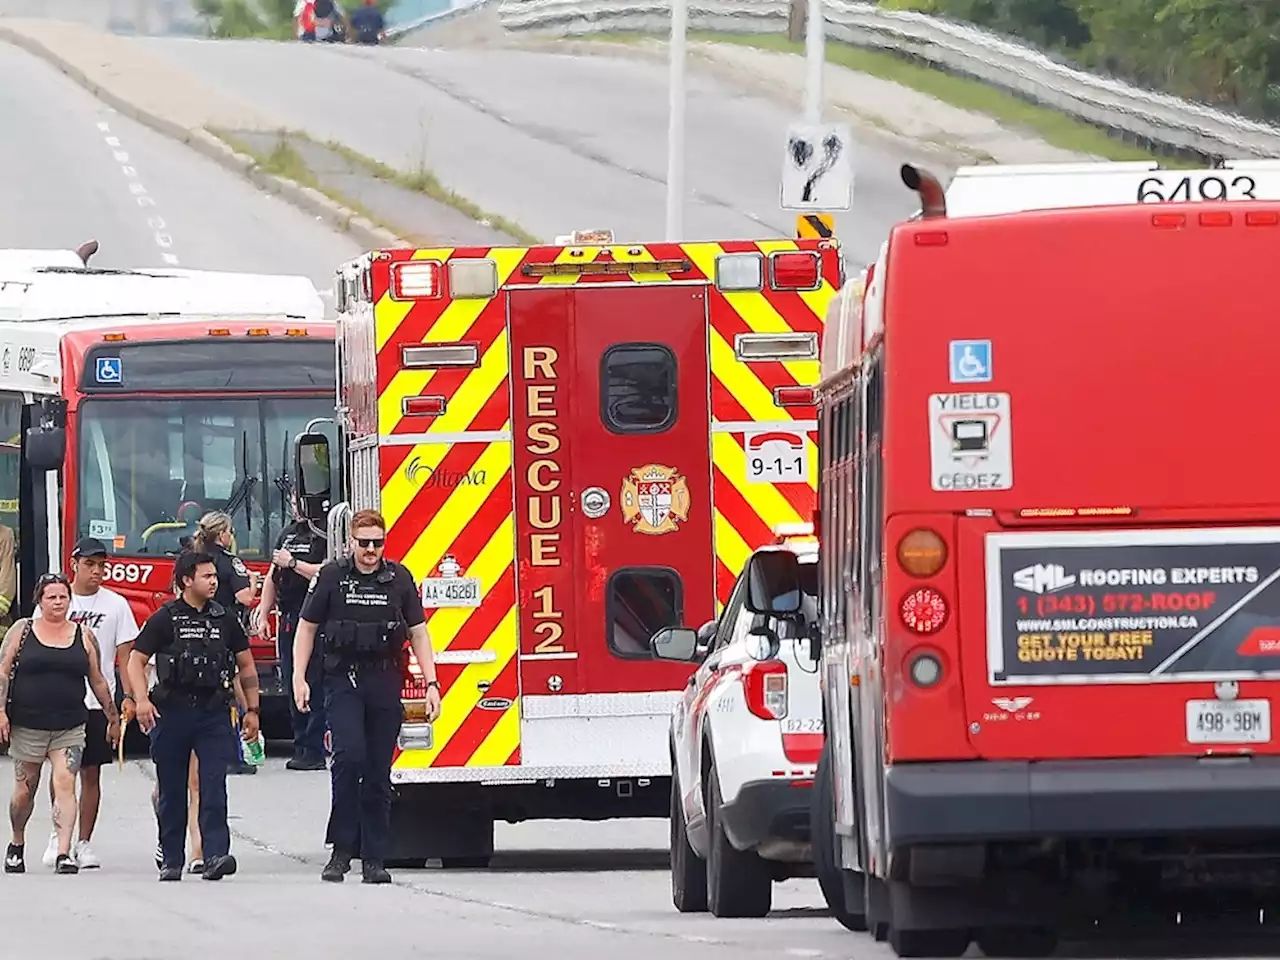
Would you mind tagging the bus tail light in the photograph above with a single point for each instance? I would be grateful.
(796, 270)
(415, 280)
(765, 685)
(922, 553)
(923, 611)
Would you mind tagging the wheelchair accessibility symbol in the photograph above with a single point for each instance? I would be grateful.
(970, 361)
(108, 370)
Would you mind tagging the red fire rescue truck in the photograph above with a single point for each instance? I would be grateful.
(1050, 558)
(133, 401)
(574, 446)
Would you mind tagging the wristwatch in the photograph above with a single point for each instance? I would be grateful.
(293, 563)
(251, 710)
(434, 683)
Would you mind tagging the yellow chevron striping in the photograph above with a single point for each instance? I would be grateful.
(451, 326)
(733, 551)
(457, 511)
(754, 308)
(389, 314)
(811, 452)
(467, 401)
(501, 741)
(464, 693)
(742, 383)
(398, 492)
(488, 567)
(764, 498)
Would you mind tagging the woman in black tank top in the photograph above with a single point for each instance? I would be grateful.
(42, 713)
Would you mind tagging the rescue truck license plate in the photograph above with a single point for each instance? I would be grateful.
(1228, 721)
(450, 592)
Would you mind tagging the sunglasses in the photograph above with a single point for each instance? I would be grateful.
(371, 541)
(49, 578)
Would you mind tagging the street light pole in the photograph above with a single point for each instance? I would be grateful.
(675, 121)
(815, 38)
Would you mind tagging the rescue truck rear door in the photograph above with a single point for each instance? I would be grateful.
(612, 461)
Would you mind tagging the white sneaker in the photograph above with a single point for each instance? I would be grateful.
(51, 851)
(85, 857)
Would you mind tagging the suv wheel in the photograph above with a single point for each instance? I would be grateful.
(739, 883)
(688, 870)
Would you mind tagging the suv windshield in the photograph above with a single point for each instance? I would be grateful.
(150, 468)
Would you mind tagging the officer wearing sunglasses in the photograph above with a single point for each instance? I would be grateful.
(369, 607)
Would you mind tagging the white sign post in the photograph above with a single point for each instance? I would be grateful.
(675, 121)
(817, 168)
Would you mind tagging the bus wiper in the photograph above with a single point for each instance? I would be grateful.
(241, 495)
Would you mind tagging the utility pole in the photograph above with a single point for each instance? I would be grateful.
(675, 121)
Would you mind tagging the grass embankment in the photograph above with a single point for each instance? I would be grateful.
(1055, 128)
(286, 161)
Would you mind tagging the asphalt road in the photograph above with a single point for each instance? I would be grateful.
(73, 169)
(571, 891)
(552, 142)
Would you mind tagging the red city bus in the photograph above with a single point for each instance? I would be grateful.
(133, 402)
(1051, 548)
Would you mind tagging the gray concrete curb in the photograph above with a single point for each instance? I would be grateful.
(364, 231)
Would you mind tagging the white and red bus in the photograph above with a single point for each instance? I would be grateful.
(134, 401)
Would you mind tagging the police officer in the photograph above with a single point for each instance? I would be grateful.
(198, 648)
(368, 606)
(235, 593)
(299, 554)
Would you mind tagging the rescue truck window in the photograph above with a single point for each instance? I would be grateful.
(638, 388)
(640, 602)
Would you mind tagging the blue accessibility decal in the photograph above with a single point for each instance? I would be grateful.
(109, 370)
(970, 361)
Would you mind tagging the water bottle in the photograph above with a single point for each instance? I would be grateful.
(255, 751)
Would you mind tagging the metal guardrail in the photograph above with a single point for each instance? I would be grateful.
(397, 30)
(1158, 120)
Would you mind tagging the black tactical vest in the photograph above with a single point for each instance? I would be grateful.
(199, 662)
(365, 627)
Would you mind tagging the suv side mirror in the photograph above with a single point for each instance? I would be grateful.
(675, 643)
(312, 468)
(773, 583)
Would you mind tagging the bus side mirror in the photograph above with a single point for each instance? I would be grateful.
(311, 467)
(45, 448)
(773, 583)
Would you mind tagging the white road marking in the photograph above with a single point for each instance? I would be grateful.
(156, 224)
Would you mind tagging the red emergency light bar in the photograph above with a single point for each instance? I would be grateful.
(796, 270)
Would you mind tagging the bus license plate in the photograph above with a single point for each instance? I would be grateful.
(1228, 721)
(450, 592)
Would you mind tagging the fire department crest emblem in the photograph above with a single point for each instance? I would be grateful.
(654, 497)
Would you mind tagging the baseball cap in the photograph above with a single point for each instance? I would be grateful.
(88, 547)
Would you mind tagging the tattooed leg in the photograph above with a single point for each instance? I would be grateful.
(26, 781)
(65, 764)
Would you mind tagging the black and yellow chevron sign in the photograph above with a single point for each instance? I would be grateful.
(819, 226)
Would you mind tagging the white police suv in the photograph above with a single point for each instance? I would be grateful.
(745, 738)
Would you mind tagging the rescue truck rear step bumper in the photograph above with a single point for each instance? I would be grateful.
(975, 801)
(767, 810)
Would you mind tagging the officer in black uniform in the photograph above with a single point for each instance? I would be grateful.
(368, 606)
(235, 593)
(300, 553)
(199, 647)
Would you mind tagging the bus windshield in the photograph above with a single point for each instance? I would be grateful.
(150, 468)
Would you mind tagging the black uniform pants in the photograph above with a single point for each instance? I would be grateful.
(309, 727)
(364, 721)
(181, 728)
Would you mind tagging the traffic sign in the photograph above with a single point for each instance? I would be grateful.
(817, 167)
(815, 226)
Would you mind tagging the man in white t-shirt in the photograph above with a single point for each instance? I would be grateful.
(111, 619)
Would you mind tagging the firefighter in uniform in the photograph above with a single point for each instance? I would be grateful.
(368, 607)
(199, 647)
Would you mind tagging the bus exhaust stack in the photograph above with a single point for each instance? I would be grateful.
(933, 200)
